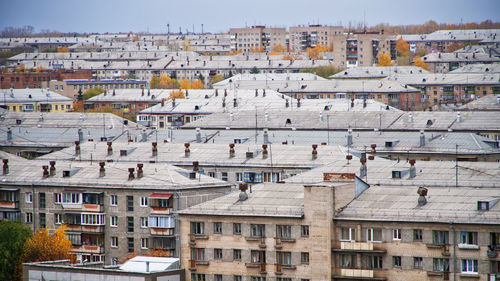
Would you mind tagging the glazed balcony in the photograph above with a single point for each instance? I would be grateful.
(358, 247)
(359, 274)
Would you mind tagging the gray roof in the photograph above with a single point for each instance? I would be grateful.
(269, 77)
(377, 72)
(454, 35)
(266, 200)
(444, 205)
(459, 57)
(488, 102)
(447, 79)
(478, 68)
(42, 96)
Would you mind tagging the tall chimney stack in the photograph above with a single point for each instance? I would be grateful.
(102, 171)
(45, 173)
(187, 151)
(5, 167)
(140, 172)
(131, 174)
(231, 150)
(52, 171)
(154, 149)
(110, 148)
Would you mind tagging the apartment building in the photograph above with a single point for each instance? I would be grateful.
(402, 233)
(248, 38)
(110, 209)
(70, 88)
(446, 62)
(362, 49)
(38, 79)
(303, 37)
(264, 232)
(34, 100)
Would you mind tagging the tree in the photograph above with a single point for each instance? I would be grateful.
(20, 68)
(453, 47)
(92, 93)
(254, 70)
(190, 84)
(291, 57)
(45, 247)
(215, 79)
(234, 52)
(402, 46)
(384, 60)
(176, 94)
(39, 69)
(259, 49)
(323, 71)
(277, 49)
(421, 52)
(417, 61)
(63, 49)
(13, 235)
(163, 82)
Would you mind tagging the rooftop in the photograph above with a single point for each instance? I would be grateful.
(377, 72)
(41, 96)
(488, 102)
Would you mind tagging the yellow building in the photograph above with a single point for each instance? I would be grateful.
(34, 100)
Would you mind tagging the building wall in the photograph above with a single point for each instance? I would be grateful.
(52, 107)
(245, 39)
(353, 50)
(302, 37)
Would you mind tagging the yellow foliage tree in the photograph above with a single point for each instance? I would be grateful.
(417, 61)
(186, 45)
(313, 53)
(384, 60)
(190, 84)
(176, 94)
(20, 68)
(259, 49)
(39, 69)
(234, 52)
(216, 78)
(45, 247)
(163, 82)
(402, 46)
(277, 49)
(63, 49)
(291, 57)
(136, 38)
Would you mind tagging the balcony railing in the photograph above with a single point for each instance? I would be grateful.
(9, 204)
(359, 273)
(358, 247)
(162, 231)
(91, 249)
(86, 228)
(161, 210)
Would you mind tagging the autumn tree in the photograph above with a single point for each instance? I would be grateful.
(176, 94)
(259, 49)
(402, 46)
(13, 235)
(45, 247)
(323, 71)
(63, 49)
(215, 79)
(417, 61)
(92, 93)
(39, 69)
(163, 82)
(292, 57)
(186, 45)
(234, 52)
(453, 47)
(403, 52)
(421, 52)
(277, 49)
(191, 84)
(20, 68)
(136, 38)
(384, 60)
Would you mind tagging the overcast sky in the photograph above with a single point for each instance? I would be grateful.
(219, 15)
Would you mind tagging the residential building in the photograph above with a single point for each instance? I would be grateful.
(70, 88)
(248, 38)
(309, 36)
(38, 79)
(446, 62)
(34, 100)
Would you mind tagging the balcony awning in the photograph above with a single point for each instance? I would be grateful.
(160, 195)
(9, 189)
(72, 191)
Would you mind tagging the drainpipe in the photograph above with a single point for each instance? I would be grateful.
(454, 252)
(177, 228)
(33, 200)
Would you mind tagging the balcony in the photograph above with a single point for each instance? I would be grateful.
(359, 247)
(162, 231)
(359, 274)
(260, 266)
(9, 204)
(280, 267)
(82, 207)
(445, 248)
(88, 249)
(161, 210)
(85, 228)
(261, 240)
(468, 246)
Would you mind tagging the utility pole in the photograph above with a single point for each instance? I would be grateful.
(202, 29)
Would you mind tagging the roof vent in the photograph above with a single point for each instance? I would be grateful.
(243, 195)
(69, 173)
(422, 192)
(249, 154)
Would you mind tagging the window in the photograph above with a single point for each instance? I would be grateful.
(258, 230)
(218, 254)
(42, 220)
(258, 256)
(237, 254)
(144, 201)
(41, 200)
(93, 219)
(347, 234)
(396, 234)
(347, 261)
(237, 278)
(284, 258)
(257, 278)
(29, 218)
(197, 227)
(217, 227)
(212, 174)
(144, 222)
(224, 176)
(304, 258)
(396, 261)
(239, 177)
(130, 243)
(374, 235)
(304, 231)
(441, 265)
(29, 197)
(374, 262)
(72, 198)
(418, 263)
(114, 242)
(58, 218)
(198, 254)
(113, 221)
(130, 203)
(218, 277)
(469, 266)
(468, 238)
(144, 243)
(237, 228)
(284, 231)
(440, 237)
(161, 222)
(198, 277)
(57, 198)
(130, 224)
(417, 235)
(76, 239)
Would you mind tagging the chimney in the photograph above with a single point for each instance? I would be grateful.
(364, 103)
(349, 137)
(287, 104)
(410, 117)
(149, 92)
(102, 171)
(154, 149)
(110, 148)
(114, 93)
(373, 146)
(5, 166)
(314, 152)
(198, 135)
(413, 171)
(9, 134)
(162, 102)
(140, 172)
(264, 151)
(235, 103)
(456, 55)
(256, 92)
(147, 266)
(131, 174)
(225, 92)
(231, 150)
(77, 148)
(422, 138)
(266, 116)
(187, 152)
(45, 169)
(362, 169)
(196, 167)
(142, 93)
(52, 171)
(263, 92)
(231, 116)
(187, 93)
(243, 188)
(41, 118)
(352, 102)
(173, 102)
(321, 116)
(459, 117)
(298, 102)
(223, 102)
(80, 134)
(266, 136)
(422, 191)
(216, 92)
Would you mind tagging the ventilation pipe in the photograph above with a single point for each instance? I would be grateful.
(243, 194)
(352, 103)
(77, 148)
(5, 167)
(264, 151)
(173, 103)
(140, 172)
(102, 171)
(231, 150)
(422, 192)
(264, 92)
(235, 103)
(187, 151)
(52, 171)
(110, 148)
(80, 134)
(198, 135)
(287, 104)
(266, 136)
(459, 117)
(314, 152)
(256, 93)
(410, 117)
(45, 173)
(364, 103)
(362, 169)
(231, 117)
(422, 138)
(266, 116)
(131, 174)
(225, 92)
(154, 149)
(196, 166)
(216, 92)
(298, 102)
(9, 134)
(321, 116)
(413, 170)
(349, 137)
(224, 102)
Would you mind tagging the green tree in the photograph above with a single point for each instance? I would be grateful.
(13, 236)
(323, 71)
(254, 70)
(92, 93)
